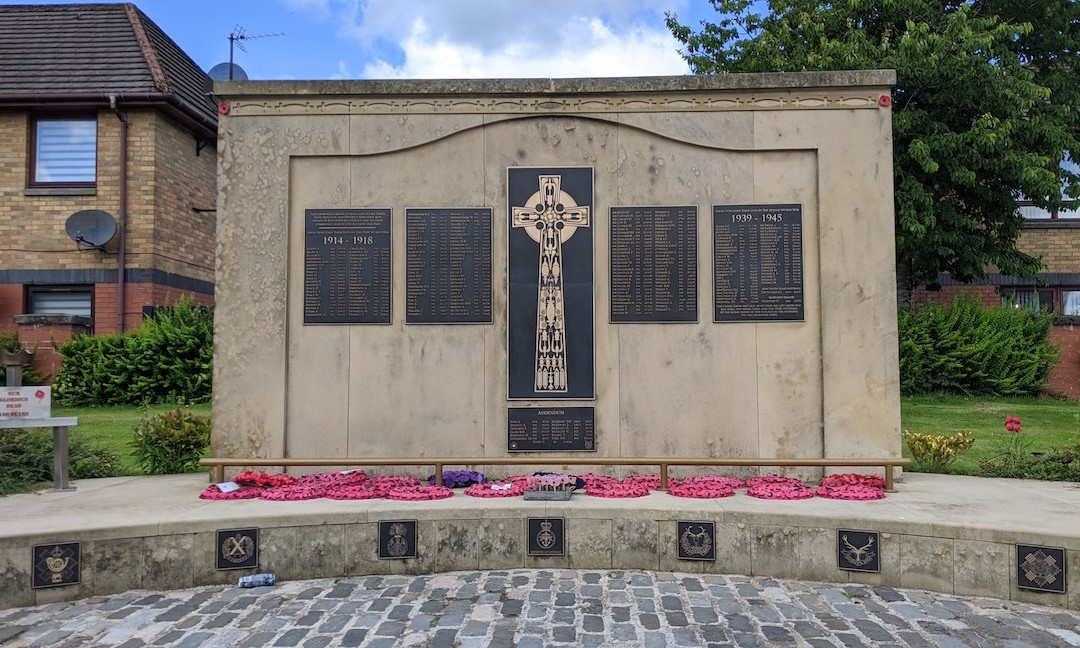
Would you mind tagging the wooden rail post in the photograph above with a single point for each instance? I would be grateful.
(663, 476)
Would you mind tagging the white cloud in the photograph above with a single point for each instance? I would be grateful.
(505, 38)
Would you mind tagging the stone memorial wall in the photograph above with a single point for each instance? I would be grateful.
(683, 266)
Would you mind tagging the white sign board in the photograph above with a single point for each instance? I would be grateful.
(25, 403)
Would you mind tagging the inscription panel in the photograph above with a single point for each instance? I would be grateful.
(654, 264)
(551, 429)
(347, 266)
(757, 263)
(447, 266)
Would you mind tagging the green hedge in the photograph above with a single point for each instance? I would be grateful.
(168, 360)
(966, 348)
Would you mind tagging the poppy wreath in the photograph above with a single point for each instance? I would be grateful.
(616, 489)
(416, 493)
(778, 488)
(458, 478)
(598, 481)
(854, 479)
(851, 492)
(714, 481)
(263, 480)
(700, 490)
(497, 489)
(212, 492)
(652, 482)
(335, 479)
(384, 484)
(518, 479)
(353, 492)
(294, 493)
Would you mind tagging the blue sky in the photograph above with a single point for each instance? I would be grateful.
(347, 39)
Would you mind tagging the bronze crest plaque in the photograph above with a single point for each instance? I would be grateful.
(448, 266)
(397, 539)
(858, 550)
(547, 537)
(695, 540)
(1040, 568)
(237, 548)
(56, 565)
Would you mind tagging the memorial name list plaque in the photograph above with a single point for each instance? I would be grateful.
(347, 266)
(653, 264)
(530, 429)
(757, 263)
(448, 266)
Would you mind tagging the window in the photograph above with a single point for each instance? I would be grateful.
(1028, 298)
(1070, 209)
(64, 152)
(62, 300)
(1070, 302)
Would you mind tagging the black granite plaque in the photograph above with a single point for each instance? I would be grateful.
(1040, 568)
(55, 565)
(397, 539)
(237, 548)
(695, 540)
(757, 263)
(347, 266)
(653, 264)
(550, 283)
(858, 550)
(547, 536)
(447, 266)
(530, 429)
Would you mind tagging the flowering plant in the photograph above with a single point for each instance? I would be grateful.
(550, 482)
(934, 452)
(1018, 445)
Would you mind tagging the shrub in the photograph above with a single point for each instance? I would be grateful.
(171, 442)
(10, 342)
(27, 459)
(1059, 465)
(168, 360)
(969, 349)
(935, 452)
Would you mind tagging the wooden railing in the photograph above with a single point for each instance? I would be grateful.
(217, 466)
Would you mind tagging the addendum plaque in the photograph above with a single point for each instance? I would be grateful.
(347, 266)
(757, 263)
(447, 266)
(550, 276)
(653, 264)
(530, 429)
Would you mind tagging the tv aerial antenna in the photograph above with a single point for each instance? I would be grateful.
(237, 37)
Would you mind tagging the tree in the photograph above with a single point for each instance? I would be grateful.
(985, 111)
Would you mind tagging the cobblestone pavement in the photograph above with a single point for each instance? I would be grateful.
(529, 608)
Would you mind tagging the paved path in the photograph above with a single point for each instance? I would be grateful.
(532, 609)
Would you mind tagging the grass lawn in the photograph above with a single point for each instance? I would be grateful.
(111, 427)
(1047, 424)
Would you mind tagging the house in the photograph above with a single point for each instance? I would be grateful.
(100, 110)
(1055, 238)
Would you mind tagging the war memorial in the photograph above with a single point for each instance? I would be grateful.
(685, 274)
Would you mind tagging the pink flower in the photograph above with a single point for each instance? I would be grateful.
(1012, 424)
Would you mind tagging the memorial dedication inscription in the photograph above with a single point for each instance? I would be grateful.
(347, 266)
(447, 266)
(550, 429)
(550, 301)
(653, 264)
(757, 263)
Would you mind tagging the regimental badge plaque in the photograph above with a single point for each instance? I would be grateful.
(1040, 568)
(55, 565)
(858, 550)
(237, 549)
(696, 540)
(397, 539)
(547, 536)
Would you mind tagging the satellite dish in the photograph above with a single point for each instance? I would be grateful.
(91, 227)
(220, 72)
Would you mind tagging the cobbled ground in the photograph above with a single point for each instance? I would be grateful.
(537, 608)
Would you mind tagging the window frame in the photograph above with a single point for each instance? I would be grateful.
(34, 289)
(31, 156)
(1057, 296)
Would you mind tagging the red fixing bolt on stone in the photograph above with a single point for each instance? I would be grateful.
(884, 101)
(224, 107)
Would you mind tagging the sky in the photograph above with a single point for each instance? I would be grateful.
(383, 39)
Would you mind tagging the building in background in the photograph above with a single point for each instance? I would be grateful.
(100, 110)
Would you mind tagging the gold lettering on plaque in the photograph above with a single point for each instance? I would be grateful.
(696, 544)
(57, 563)
(237, 548)
(550, 217)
